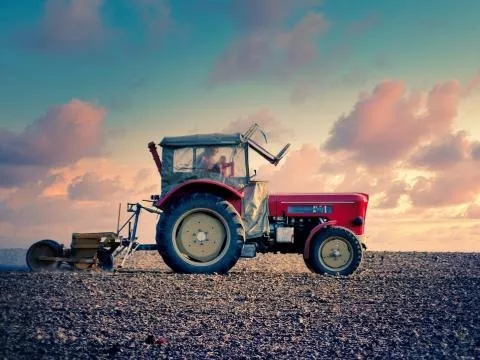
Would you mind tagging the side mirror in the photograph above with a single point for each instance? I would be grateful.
(254, 174)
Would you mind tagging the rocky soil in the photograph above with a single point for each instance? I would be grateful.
(400, 305)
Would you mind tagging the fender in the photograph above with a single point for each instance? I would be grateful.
(313, 233)
(201, 185)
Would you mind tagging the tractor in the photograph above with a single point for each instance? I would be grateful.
(212, 211)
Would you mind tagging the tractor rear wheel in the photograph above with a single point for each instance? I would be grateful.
(45, 247)
(201, 234)
(335, 251)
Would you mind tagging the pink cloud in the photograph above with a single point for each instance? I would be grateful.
(61, 137)
(388, 124)
(69, 25)
(300, 43)
(96, 186)
(298, 172)
(273, 128)
(455, 186)
(473, 84)
(473, 211)
(442, 153)
(91, 187)
(476, 150)
(54, 206)
(393, 192)
(243, 58)
(271, 52)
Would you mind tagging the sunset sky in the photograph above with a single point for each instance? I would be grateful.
(376, 96)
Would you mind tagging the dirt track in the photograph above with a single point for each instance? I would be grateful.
(400, 305)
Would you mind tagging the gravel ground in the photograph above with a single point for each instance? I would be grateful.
(400, 305)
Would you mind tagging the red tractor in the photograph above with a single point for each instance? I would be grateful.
(213, 213)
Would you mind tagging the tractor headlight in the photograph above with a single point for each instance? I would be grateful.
(358, 221)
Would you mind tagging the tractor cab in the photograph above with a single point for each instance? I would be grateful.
(217, 157)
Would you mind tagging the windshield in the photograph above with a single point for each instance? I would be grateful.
(227, 164)
(226, 161)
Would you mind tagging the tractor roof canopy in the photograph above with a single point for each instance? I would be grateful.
(202, 140)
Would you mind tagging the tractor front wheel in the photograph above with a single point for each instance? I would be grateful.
(335, 251)
(201, 234)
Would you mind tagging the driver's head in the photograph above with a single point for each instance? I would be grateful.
(211, 151)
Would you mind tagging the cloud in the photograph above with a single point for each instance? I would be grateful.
(156, 15)
(58, 204)
(476, 150)
(392, 194)
(388, 124)
(458, 185)
(17, 175)
(254, 15)
(442, 153)
(301, 92)
(472, 85)
(473, 211)
(297, 172)
(299, 44)
(274, 53)
(68, 25)
(91, 187)
(270, 125)
(64, 135)
(243, 58)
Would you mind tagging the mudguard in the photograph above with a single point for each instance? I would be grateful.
(313, 233)
(218, 188)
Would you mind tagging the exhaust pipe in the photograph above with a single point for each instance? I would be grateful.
(156, 158)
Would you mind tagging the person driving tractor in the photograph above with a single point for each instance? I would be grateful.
(207, 162)
(207, 159)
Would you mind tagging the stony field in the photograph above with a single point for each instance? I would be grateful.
(400, 305)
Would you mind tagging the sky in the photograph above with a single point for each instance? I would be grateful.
(376, 96)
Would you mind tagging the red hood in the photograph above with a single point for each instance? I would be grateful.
(321, 197)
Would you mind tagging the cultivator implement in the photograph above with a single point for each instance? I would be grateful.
(93, 249)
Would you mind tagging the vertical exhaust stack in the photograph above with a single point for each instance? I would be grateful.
(156, 158)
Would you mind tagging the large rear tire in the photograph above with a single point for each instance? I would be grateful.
(200, 234)
(335, 251)
(45, 247)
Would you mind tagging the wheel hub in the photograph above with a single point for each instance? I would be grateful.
(336, 253)
(201, 236)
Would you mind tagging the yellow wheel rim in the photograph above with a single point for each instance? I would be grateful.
(336, 253)
(200, 235)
